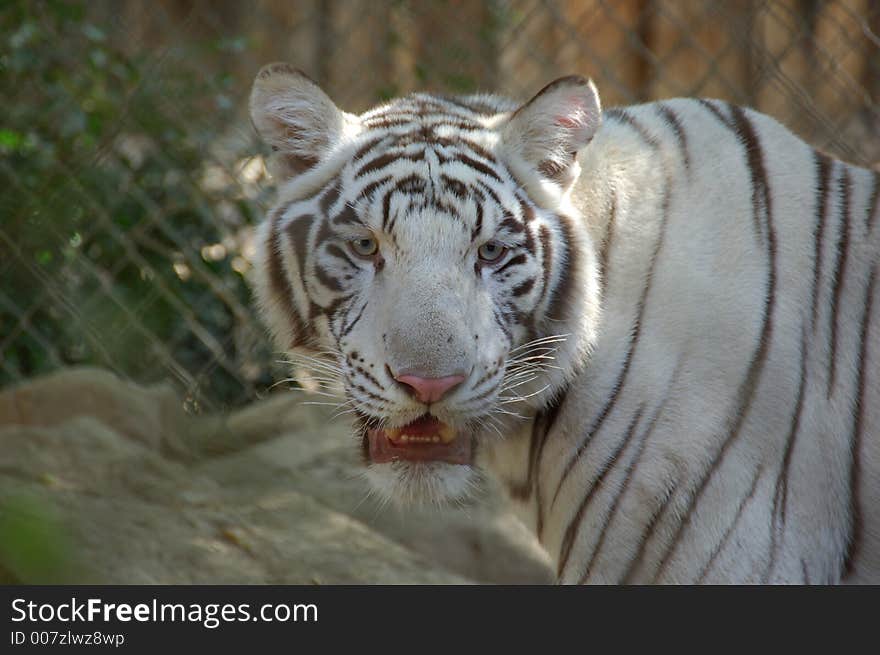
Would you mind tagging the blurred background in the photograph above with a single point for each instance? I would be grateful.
(132, 177)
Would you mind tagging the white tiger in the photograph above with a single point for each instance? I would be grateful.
(659, 325)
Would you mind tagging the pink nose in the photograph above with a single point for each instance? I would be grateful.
(429, 390)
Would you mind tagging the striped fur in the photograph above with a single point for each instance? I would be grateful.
(674, 367)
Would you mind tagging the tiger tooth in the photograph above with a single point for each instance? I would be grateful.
(447, 433)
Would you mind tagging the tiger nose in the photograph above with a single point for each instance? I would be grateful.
(429, 390)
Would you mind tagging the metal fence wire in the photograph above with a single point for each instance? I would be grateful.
(132, 178)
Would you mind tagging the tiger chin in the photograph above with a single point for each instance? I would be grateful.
(657, 326)
(424, 463)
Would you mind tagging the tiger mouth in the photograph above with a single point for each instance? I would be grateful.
(427, 439)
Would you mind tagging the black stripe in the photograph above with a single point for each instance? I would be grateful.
(625, 118)
(855, 503)
(755, 162)
(671, 119)
(411, 184)
(330, 310)
(511, 312)
(523, 288)
(366, 147)
(546, 261)
(386, 208)
(456, 145)
(433, 122)
(330, 197)
(385, 159)
(845, 189)
(366, 392)
(873, 204)
(529, 242)
(298, 232)
(513, 261)
(395, 113)
(477, 108)
(708, 104)
(630, 470)
(610, 462)
(325, 233)
(490, 192)
(605, 252)
(541, 426)
(474, 147)
(567, 263)
(279, 281)
(478, 224)
(350, 326)
(650, 526)
(729, 531)
(823, 173)
(477, 166)
(746, 392)
(512, 224)
(780, 494)
(490, 374)
(366, 374)
(425, 104)
(347, 216)
(326, 279)
(383, 123)
(454, 186)
(498, 316)
(367, 191)
(528, 212)
(451, 105)
(631, 347)
(548, 416)
(395, 110)
(335, 251)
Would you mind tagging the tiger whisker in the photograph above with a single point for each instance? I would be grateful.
(549, 339)
(517, 399)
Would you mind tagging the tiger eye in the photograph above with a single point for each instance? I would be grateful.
(491, 251)
(364, 246)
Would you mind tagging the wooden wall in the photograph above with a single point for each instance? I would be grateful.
(813, 64)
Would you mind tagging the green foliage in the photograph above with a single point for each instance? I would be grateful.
(33, 546)
(102, 159)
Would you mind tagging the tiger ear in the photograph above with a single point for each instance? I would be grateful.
(296, 118)
(549, 131)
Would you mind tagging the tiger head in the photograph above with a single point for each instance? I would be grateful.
(425, 254)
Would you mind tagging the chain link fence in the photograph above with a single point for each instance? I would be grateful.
(132, 178)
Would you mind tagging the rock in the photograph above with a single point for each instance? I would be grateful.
(141, 413)
(133, 490)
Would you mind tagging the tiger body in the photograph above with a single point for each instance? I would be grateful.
(673, 364)
(726, 426)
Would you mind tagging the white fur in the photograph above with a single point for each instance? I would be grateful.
(702, 315)
(425, 484)
(690, 496)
